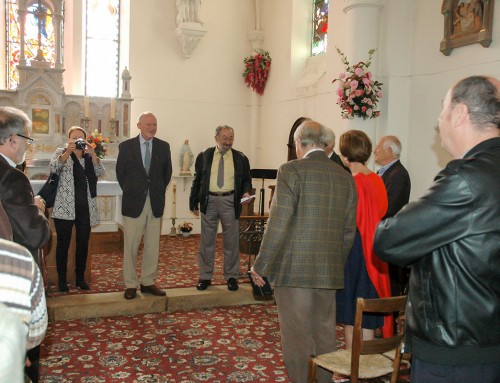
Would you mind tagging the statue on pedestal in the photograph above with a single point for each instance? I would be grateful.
(188, 11)
(186, 159)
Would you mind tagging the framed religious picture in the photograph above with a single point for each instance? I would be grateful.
(466, 22)
(40, 118)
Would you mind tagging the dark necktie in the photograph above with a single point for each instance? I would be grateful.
(220, 174)
(147, 157)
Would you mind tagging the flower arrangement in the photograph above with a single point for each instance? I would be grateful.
(358, 94)
(257, 70)
(186, 227)
(99, 143)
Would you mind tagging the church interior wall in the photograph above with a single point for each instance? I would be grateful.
(191, 96)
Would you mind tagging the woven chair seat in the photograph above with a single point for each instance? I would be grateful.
(370, 366)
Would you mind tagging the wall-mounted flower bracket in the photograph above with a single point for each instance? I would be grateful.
(256, 70)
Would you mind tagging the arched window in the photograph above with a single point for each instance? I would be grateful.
(319, 27)
(39, 36)
(102, 47)
(37, 26)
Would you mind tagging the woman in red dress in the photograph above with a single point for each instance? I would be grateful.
(366, 275)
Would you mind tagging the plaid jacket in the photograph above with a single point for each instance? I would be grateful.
(311, 225)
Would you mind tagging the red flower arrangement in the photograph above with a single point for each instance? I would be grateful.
(358, 94)
(257, 70)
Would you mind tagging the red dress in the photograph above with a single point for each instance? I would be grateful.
(372, 206)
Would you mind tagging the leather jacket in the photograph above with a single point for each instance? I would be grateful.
(198, 198)
(451, 239)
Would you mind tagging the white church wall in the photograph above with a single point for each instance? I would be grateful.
(432, 74)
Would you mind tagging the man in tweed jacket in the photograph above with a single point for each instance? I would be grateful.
(309, 234)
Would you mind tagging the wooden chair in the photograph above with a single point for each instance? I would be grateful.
(366, 359)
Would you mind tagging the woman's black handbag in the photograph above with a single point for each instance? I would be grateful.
(49, 190)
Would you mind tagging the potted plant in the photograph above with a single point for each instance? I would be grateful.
(186, 229)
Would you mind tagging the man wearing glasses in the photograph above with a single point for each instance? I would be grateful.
(30, 228)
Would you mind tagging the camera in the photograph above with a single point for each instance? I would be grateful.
(80, 144)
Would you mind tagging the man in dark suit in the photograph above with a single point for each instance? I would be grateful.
(398, 186)
(330, 153)
(222, 178)
(309, 234)
(143, 170)
(30, 228)
(25, 212)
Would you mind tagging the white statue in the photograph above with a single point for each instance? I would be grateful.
(186, 159)
(188, 11)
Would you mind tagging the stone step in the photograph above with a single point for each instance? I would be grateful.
(79, 306)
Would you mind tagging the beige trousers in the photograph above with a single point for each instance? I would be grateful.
(133, 230)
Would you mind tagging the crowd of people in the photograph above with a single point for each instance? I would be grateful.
(336, 231)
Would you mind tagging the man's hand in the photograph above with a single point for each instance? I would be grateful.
(257, 279)
(40, 203)
(196, 212)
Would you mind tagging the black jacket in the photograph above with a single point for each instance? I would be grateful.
(451, 238)
(397, 183)
(198, 199)
(136, 183)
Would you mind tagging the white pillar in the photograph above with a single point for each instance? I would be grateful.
(256, 38)
(363, 34)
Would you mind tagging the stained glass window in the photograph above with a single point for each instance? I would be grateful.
(102, 48)
(319, 26)
(39, 37)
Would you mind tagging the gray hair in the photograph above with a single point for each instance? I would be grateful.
(329, 137)
(12, 121)
(394, 144)
(311, 133)
(221, 127)
(139, 120)
(482, 99)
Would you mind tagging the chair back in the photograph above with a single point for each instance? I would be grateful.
(387, 306)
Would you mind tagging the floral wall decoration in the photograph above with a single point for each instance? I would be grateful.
(358, 94)
(257, 70)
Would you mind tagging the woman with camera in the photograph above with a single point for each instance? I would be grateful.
(78, 167)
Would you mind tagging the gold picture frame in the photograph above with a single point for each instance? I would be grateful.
(40, 120)
(466, 22)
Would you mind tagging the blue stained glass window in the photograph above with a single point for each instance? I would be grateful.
(320, 26)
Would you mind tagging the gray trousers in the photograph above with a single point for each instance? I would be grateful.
(308, 327)
(219, 208)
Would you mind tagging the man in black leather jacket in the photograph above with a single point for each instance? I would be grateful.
(216, 193)
(450, 237)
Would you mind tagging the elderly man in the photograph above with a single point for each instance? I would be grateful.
(222, 178)
(397, 183)
(330, 153)
(450, 237)
(143, 170)
(25, 212)
(393, 173)
(310, 231)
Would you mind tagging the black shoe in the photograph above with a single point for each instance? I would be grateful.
(232, 284)
(82, 285)
(63, 287)
(203, 284)
(130, 293)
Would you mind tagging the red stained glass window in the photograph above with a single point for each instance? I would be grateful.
(320, 26)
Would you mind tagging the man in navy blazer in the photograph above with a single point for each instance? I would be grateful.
(398, 186)
(143, 170)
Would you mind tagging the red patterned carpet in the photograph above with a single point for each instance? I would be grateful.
(235, 344)
(177, 267)
(229, 344)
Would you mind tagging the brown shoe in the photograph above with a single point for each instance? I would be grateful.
(130, 293)
(152, 290)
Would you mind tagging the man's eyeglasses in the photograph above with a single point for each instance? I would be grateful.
(29, 139)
